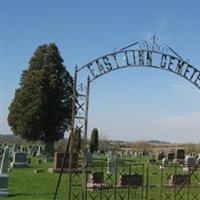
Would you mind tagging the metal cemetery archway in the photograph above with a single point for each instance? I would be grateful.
(140, 54)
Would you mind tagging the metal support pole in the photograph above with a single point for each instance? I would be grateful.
(84, 184)
(72, 134)
(63, 163)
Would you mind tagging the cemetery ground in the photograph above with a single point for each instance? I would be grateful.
(25, 184)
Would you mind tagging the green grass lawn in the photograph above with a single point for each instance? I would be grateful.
(24, 184)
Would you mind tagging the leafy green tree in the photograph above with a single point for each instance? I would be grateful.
(94, 140)
(41, 108)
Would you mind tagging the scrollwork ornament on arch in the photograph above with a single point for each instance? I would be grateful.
(143, 45)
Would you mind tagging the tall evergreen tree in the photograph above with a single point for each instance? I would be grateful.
(94, 140)
(41, 108)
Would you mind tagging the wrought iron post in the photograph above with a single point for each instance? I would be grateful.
(84, 184)
(72, 132)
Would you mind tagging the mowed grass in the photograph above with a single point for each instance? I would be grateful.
(24, 184)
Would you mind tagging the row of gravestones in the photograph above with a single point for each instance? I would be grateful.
(118, 154)
(59, 157)
(176, 157)
(96, 180)
(179, 155)
(18, 155)
(33, 150)
(189, 162)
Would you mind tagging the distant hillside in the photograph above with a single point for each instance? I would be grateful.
(11, 139)
(158, 142)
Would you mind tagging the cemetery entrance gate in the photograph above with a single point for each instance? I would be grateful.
(140, 54)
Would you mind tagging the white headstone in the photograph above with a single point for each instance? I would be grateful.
(190, 161)
(4, 173)
(164, 162)
(111, 165)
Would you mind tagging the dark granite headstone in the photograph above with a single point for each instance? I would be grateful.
(97, 178)
(160, 155)
(19, 160)
(180, 154)
(170, 156)
(131, 180)
(20, 157)
(179, 179)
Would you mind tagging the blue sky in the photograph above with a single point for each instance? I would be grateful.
(129, 104)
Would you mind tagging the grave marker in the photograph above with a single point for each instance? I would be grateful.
(179, 179)
(4, 173)
(19, 160)
(131, 180)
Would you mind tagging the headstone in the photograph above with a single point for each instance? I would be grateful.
(4, 164)
(179, 179)
(96, 178)
(140, 154)
(4, 173)
(22, 149)
(14, 149)
(96, 181)
(19, 160)
(194, 154)
(111, 165)
(160, 155)
(170, 156)
(39, 151)
(190, 162)
(164, 163)
(58, 160)
(131, 180)
(29, 150)
(179, 156)
(88, 158)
